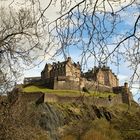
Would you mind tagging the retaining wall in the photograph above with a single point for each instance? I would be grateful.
(91, 100)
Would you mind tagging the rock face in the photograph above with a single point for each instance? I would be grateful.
(57, 117)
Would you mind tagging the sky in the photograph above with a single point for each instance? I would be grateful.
(52, 13)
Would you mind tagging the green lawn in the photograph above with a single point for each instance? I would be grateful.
(72, 93)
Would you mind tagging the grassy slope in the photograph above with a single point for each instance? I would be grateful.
(33, 88)
(26, 121)
(127, 121)
(125, 125)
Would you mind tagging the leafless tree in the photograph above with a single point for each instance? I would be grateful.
(21, 31)
(106, 30)
(95, 28)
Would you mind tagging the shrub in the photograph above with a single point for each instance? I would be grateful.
(94, 135)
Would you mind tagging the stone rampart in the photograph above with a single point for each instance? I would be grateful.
(64, 85)
(94, 86)
(37, 97)
(125, 92)
(91, 100)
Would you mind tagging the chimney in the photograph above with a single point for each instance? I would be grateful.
(126, 85)
(69, 59)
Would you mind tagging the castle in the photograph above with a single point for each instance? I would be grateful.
(68, 75)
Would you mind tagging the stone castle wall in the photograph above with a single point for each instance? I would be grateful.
(123, 96)
(63, 85)
(90, 100)
(125, 93)
(101, 78)
(16, 94)
(114, 82)
(94, 86)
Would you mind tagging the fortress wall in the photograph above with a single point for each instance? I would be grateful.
(90, 100)
(125, 92)
(100, 101)
(103, 88)
(93, 86)
(66, 85)
(51, 98)
(32, 96)
(37, 97)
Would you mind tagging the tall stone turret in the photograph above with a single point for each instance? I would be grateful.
(126, 94)
(45, 74)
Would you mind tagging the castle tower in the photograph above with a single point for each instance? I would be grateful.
(126, 98)
(45, 74)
